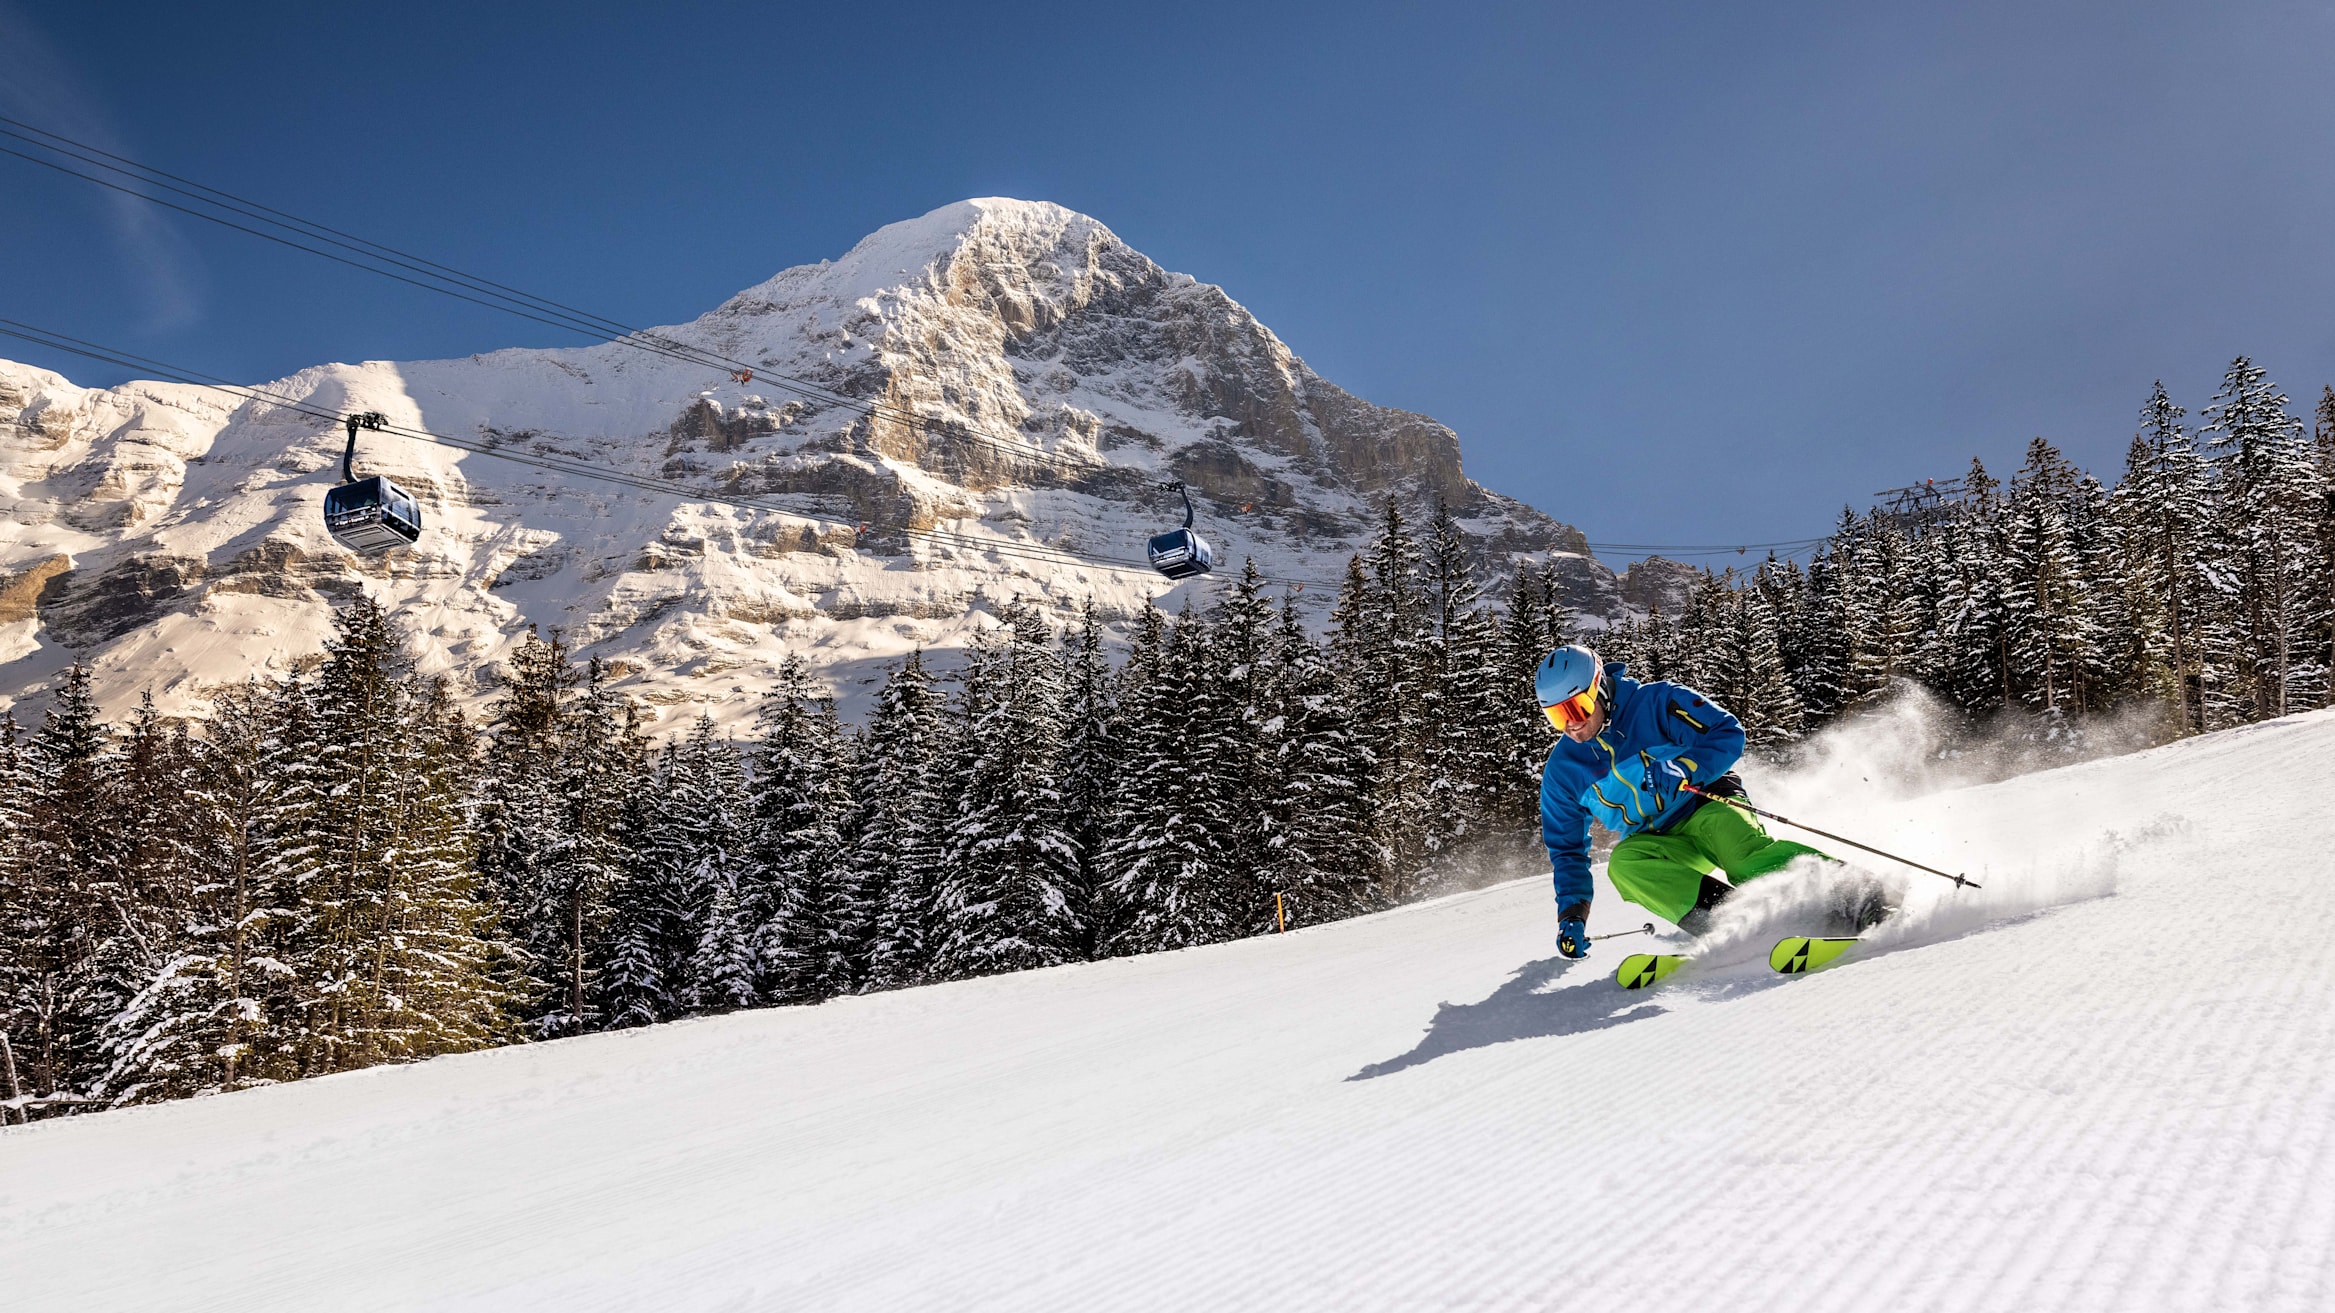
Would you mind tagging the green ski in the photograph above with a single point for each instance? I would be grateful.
(1642, 969)
(1801, 953)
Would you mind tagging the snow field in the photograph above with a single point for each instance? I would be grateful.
(2101, 1083)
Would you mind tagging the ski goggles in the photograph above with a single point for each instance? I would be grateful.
(1572, 711)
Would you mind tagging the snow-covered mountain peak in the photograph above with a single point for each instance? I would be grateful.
(916, 254)
(1005, 373)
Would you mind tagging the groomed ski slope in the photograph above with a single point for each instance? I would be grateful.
(2107, 1082)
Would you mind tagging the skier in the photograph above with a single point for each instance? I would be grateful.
(1628, 752)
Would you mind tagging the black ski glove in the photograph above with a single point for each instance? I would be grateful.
(1729, 785)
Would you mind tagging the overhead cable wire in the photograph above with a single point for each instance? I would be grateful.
(637, 339)
(1027, 551)
(430, 275)
(472, 288)
(1788, 547)
(1039, 553)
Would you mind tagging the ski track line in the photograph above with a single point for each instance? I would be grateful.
(1903, 1154)
(1848, 1078)
(2054, 1269)
(2247, 1263)
(2309, 1235)
(1231, 1046)
(2055, 1218)
(2217, 1212)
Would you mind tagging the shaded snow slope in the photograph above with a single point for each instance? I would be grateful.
(173, 535)
(2106, 1082)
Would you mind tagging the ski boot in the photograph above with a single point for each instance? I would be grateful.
(1859, 903)
(1697, 920)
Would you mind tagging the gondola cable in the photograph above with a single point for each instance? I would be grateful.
(509, 300)
(1033, 552)
(556, 314)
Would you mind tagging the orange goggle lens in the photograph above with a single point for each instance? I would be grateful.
(1573, 710)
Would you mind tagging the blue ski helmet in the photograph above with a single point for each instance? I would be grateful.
(1565, 673)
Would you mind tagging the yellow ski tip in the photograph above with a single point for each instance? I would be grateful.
(1639, 970)
(1803, 953)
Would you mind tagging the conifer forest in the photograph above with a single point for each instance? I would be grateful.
(341, 868)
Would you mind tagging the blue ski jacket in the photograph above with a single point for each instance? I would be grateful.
(1658, 737)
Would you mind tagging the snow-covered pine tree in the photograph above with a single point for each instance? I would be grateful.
(597, 762)
(2161, 511)
(1699, 657)
(1769, 708)
(1325, 859)
(70, 848)
(1889, 604)
(142, 899)
(815, 928)
(2324, 589)
(1971, 655)
(1170, 885)
(1619, 641)
(148, 893)
(1466, 715)
(2103, 673)
(1380, 633)
(1786, 587)
(443, 976)
(2048, 606)
(523, 823)
(900, 836)
(2264, 535)
(15, 925)
(286, 845)
(1141, 792)
(1234, 742)
(1005, 893)
(1555, 612)
(1654, 652)
(192, 1026)
(1821, 647)
(657, 910)
(150, 800)
(1525, 638)
(388, 940)
(710, 807)
(1090, 764)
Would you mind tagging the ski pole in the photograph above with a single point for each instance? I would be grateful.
(1786, 820)
(1645, 929)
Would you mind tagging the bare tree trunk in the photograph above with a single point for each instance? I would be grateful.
(44, 1073)
(576, 956)
(2173, 601)
(8, 1069)
(234, 1044)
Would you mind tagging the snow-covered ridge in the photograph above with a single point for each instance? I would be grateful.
(2107, 1082)
(170, 535)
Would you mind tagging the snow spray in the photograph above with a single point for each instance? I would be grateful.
(1962, 881)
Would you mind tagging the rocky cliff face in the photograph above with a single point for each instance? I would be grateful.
(1007, 372)
(1659, 584)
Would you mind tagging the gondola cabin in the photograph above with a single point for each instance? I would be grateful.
(1181, 553)
(369, 514)
(372, 515)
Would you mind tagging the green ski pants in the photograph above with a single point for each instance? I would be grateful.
(1663, 872)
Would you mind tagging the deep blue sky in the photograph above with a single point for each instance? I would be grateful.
(1676, 273)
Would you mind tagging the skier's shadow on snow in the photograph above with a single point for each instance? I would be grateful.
(1519, 1010)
